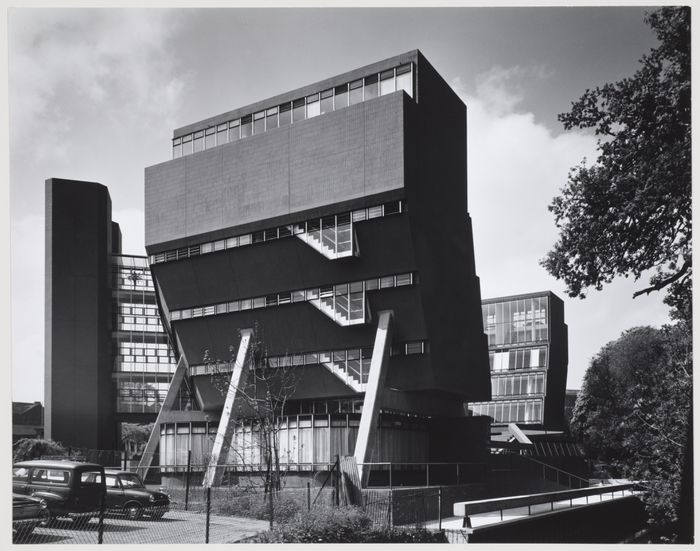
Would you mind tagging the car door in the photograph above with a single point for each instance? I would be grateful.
(20, 480)
(115, 492)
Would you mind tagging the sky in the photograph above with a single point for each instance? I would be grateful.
(94, 94)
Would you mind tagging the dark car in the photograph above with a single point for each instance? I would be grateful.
(69, 488)
(27, 513)
(126, 493)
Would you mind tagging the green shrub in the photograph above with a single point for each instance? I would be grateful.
(341, 525)
(33, 448)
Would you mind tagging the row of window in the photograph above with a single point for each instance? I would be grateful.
(138, 310)
(322, 407)
(139, 319)
(155, 327)
(518, 385)
(519, 358)
(314, 295)
(296, 441)
(130, 367)
(515, 310)
(332, 99)
(146, 359)
(342, 221)
(511, 411)
(143, 349)
(353, 355)
(505, 334)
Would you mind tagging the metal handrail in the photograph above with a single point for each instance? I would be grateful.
(467, 508)
(570, 475)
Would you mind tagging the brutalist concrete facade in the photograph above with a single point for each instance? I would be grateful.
(394, 166)
(107, 360)
(78, 344)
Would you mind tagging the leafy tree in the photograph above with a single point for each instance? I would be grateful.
(633, 412)
(631, 211)
(262, 400)
(34, 448)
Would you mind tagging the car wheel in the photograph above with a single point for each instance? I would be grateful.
(46, 517)
(134, 511)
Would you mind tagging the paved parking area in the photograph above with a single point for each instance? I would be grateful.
(174, 527)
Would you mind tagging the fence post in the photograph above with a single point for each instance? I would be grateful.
(390, 480)
(337, 481)
(439, 507)
(101, 520)
(391, 507)
(206, 529)
(187, 478)
(427, 474)
(125, 454)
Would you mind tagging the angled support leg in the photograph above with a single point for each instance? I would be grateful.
(166, 406)
(222, 442)
(367, 432)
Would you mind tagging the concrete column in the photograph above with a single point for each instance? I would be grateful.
(222, 442)
(166, 406)
(367, 432)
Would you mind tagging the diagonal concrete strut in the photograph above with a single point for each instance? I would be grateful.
(367, 433)
(165, 408)
(222, 442)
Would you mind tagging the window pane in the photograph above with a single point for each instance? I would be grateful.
(355, 92)
(210, 140)
(313, 107)
(341, 96)
(222, 134)
(246, 126)
(259, 122)
(299, 110)
(285, 114)
(234, 130)
(371, 87)
(177, 148)
(386, 82)
(187, 145)
(326, 101)
(403, 79)
(199, 141)
(271, 119)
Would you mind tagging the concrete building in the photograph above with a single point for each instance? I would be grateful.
(331, 223)
(528, 355)
(107, 360)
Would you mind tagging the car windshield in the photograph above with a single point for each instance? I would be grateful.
(130, 481)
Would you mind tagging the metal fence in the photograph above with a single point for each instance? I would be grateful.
(235, 510)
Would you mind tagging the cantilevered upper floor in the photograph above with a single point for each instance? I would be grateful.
(345, 138)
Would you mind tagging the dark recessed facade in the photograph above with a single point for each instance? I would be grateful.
(107, 359)
(334, 220)
(528, 355)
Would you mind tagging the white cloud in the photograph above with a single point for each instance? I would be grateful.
(86, 89)
(516, 166)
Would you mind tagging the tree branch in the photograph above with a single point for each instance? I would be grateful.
(667, 281)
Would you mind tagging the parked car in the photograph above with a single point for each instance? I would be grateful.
(69, 488)
(126, 493)
(27, 513)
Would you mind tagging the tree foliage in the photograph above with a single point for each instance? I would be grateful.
(34, 448)
(136, 433)
(633, 411)
(631, 211)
